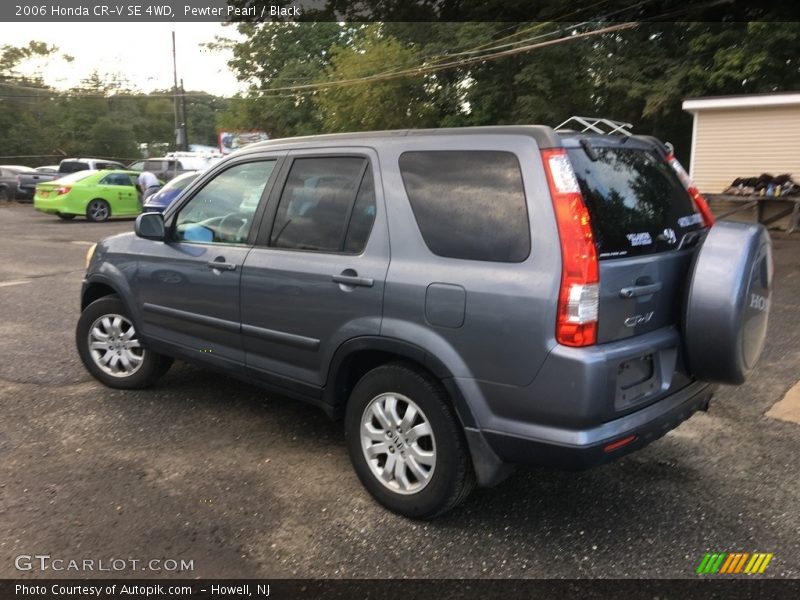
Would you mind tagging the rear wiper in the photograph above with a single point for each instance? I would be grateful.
(587, 148)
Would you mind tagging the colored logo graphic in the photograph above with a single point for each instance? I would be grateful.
(733, 563)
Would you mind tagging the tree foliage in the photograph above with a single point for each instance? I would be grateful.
(98, 118)
(639, 75)
(392, 103)
(314, 77)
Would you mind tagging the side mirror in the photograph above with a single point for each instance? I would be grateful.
(150, 226)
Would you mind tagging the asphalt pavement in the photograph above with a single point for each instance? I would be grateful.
(205, 469)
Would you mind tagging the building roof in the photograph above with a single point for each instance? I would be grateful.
(694, 105)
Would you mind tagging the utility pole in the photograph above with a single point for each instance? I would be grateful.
(179, 141)
(184, 118)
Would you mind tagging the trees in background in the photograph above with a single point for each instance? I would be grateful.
(315, 77)
(99, 118)
(319, 77)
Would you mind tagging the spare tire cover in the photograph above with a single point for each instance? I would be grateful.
(728, 302)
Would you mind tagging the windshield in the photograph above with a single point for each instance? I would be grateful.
(637, 203)
(180, 182)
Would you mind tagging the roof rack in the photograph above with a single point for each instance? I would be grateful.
(597, 125)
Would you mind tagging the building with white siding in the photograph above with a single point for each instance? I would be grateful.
(743, 136)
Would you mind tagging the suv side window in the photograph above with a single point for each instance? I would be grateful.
(469, 204)
(222, 211)
(327, 205)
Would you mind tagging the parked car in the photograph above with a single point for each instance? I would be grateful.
(159, 201)
(97, 195)
(29, 180)
(10, 182)
(71, 165)
(465, 299)
(167, 168)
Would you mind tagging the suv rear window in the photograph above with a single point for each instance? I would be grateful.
(469, 204)
(72, 166)
(636, 201)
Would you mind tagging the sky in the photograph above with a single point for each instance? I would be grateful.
(141, 53)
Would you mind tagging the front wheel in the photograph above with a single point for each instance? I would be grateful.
(405, 442)
(98, 211)
(110, 349)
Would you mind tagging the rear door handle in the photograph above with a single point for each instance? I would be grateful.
(221, 265)
(640, 290)
(353, 280)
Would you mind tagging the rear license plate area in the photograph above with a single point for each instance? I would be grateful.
(636, 380)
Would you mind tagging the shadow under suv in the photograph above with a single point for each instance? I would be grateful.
(465, 299)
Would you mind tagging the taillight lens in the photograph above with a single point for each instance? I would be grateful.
(700, 203)
(64, 189)
(578, 301)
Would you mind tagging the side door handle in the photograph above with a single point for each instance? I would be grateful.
(220, 265)
(640, 290)
(351, 278)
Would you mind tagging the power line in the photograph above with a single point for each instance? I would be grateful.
(422, 69)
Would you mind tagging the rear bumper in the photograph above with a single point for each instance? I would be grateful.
(572, 449)
(56, 206)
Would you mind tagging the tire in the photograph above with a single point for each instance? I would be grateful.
(126, 364)
(415, 489)
(4, 195)
(64, 217)
(728, 303)
(98, 211)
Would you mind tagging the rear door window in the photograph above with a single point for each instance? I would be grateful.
(321, 208)
(116, 179)
(469, 204)
(636, 202)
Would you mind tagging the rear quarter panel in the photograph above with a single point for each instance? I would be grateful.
(509, 309)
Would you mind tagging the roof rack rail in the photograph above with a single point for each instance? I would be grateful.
(597, 125)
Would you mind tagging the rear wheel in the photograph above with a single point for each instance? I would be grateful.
(98, 211)
(65, 217)
(110, 349)
(405, 442)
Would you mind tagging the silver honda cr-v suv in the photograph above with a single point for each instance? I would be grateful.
(465, 299)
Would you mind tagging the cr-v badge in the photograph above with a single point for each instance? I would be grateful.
(638, 319)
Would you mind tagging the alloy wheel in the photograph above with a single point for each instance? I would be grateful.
(98, 210)
(398, 443)
(114, 346)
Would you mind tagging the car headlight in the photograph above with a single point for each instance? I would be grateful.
(90, 254)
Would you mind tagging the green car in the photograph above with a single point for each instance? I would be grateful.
(96, 194)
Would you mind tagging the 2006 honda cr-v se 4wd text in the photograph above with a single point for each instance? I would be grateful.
(465, 299)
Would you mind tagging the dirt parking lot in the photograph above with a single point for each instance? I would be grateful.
(208, 470)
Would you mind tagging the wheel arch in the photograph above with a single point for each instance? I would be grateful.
(99, 286)
(357, 356)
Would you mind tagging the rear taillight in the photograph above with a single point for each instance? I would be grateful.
(64, 189)
(578, 299)
(700, 203)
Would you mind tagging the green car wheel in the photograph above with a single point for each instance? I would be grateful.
(98, 211)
